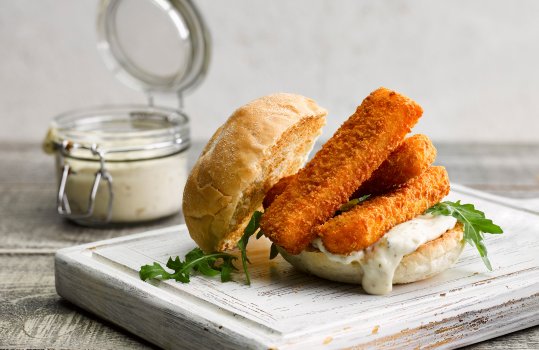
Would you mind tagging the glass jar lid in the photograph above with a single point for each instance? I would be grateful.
(120, 133)
(154, 45)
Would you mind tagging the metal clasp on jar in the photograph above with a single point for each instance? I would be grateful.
(64, 209)
(65, 149)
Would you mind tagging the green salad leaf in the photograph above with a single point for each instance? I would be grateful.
(251, 228)
(211, 264)
(273, 251)
(351, 203)
(474, 222)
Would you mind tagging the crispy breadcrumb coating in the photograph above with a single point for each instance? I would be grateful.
(363, 225)
(410, 159)
(276, 190)
(349, 158)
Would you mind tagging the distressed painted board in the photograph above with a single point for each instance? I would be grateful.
(286, 309)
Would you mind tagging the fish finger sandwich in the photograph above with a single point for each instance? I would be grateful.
(367, 208)
(381, 240)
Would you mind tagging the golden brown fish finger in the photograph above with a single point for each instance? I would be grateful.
(276, 190)
(362, 226)
(409, 160)
(349, 158)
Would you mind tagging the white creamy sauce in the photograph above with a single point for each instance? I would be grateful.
(380, 261)
(143, 190)
(338, 258)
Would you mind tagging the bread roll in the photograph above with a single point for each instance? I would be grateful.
(428, 260)
(261, 142)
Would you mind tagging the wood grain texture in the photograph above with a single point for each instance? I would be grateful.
(30, 232)
(33, 315)
(286, 309)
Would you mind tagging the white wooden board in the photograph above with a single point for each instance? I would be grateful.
(285, 309)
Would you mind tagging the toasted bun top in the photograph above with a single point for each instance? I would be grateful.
(261, 142)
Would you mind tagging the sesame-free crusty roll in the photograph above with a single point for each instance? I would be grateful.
(261, 142)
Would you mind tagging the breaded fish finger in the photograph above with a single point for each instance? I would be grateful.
(366, 223)
(349, 158)
(410, 159)
(276, 190)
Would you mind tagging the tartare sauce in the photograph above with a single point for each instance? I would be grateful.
(143, 190)
(136, 157)
(380, 261)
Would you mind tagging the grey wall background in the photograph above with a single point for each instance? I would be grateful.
(473, 65)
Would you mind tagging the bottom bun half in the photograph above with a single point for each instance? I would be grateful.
(428, 260)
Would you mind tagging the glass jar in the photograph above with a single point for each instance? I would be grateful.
(128, 164)
(121, 164)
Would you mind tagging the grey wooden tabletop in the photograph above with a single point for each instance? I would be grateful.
(32, 315)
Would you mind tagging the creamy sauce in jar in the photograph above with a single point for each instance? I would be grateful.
(380, 260)
(138, 153)
(143, 190)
